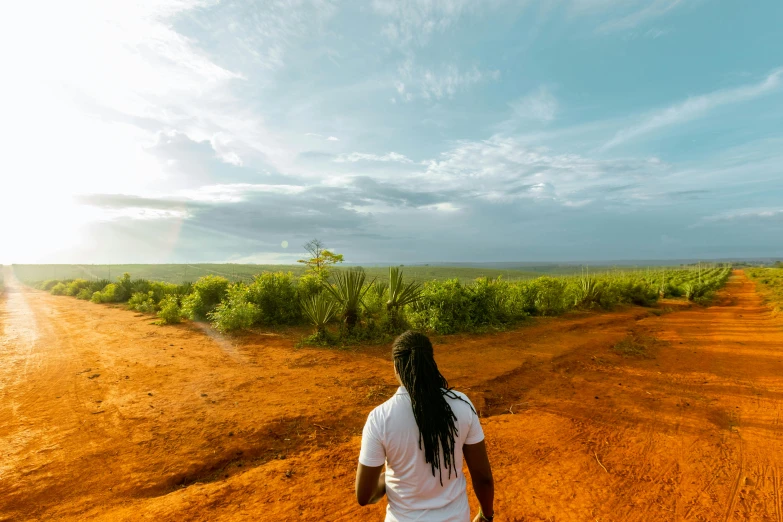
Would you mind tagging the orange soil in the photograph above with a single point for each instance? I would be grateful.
(104, 416)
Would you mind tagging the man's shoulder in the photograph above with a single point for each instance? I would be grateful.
(459, 394)
(458, 398)
(385, 408)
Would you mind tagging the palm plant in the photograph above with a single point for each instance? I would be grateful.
(348, 290)
(693, 290)
(587, 290)
(319, 309)
(400, 294)
(662, 285)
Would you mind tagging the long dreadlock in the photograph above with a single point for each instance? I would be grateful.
(428, 389)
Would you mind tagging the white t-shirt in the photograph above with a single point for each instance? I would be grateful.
(391, 436)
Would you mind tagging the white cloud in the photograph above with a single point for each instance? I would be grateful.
(222, 145)
(236, 192)
(639, 16)
(656, 33)
(353, 157)
(746, 213)
(262, 35)
(321, 136)
(695, 107)
(539, 105)
(443, 207)
(444, 82)
(414, 21)
(506, 168)
(623, 15)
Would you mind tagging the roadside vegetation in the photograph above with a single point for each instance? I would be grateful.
(769, 282)
(349, 305)
(179, 273)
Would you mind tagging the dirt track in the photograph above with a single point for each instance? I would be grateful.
(105, 416)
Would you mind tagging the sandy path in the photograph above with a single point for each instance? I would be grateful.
(179, 425)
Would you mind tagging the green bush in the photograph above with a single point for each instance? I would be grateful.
(123, 288)
(76, 286)
(48, 285)
(160, 290)
(308, 286)
(140, 286)
(170, 311)
(84, 294)
(59, 289)
(275, 297)
(143, 302)
(638, 292)
(208, 291)
(111, 293)
(449, 306)
(99, 285)
(375, 299)
(235, 312)
(549, 295)
(443, 307)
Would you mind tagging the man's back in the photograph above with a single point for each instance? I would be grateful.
(391, 435)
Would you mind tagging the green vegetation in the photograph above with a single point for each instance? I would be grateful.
(170, 310)
(372, 308)
(320, 311)
(320, 260)
(400, 295)
(770, 284)
(207, 294)
(348, 292)
(179, 273)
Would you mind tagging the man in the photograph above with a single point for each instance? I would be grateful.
(422, 434)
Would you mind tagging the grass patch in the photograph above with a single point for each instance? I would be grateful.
(769, 283)
(636, 347)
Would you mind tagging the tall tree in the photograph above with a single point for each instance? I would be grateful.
(320, 258)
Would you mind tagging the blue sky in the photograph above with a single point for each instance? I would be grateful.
(404, 131)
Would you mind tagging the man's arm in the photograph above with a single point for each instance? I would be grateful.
(481, 476)
(370, 484)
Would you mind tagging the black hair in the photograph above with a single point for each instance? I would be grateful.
(428, 389)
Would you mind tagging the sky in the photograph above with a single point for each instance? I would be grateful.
(393, 130)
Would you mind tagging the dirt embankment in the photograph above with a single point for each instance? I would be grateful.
(106, 416)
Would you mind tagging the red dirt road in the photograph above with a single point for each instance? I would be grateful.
(105, 416)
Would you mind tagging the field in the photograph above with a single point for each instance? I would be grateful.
(663, 413)
(350, 305)
(770, 285)
(236, 272)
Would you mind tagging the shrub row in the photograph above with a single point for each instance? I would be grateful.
(275, 298)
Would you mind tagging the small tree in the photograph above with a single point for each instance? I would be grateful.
(320, 259)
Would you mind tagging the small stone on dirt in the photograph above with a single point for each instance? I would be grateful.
(150, 394)
(230, 433)
(288, 473)
(94, 376)
(203, 394)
